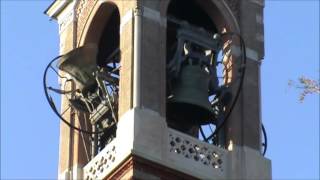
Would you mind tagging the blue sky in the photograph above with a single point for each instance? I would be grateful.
(30, 130)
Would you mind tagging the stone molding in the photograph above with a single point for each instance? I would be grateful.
(66, 20)
(56, 8)
(145, 12)
(126, 19)
(136, 167)
(146, 136)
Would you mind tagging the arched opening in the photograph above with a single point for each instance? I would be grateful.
(110, 39)
(104, 31)
(196, 22)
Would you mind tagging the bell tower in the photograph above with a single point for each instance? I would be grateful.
(161, 89)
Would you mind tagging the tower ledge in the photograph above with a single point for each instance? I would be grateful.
(56, 8)
(179, 156)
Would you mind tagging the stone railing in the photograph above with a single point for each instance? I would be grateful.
(145, 134)
(184, 152)
(189, 151)
(102, 164)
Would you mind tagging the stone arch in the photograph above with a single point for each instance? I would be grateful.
(212, 15)
(102, 27)
(96, 20)
(217, 10)
(222, 18)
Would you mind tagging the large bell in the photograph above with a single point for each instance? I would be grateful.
(189, 100)
(80, 64)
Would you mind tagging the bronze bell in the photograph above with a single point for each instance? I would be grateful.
(189, 103)
(80, 64)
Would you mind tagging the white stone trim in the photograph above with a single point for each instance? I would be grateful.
(75, 173)
(251, 54)
(57, 7)
(126, 19)
(148, 13)
(258, 2)
(144, 133)
(131, 138)
(248, 163)
(65, 19)
(148, 131)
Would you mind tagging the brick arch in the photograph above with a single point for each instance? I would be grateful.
(217, 10)
(93, 18)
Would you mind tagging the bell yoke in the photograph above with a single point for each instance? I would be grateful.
(192, 78)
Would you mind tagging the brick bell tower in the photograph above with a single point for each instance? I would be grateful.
(152, 40)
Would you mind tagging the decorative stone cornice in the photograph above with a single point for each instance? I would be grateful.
(163, 146)
(65, 20)
(145, 12)
(63, 12)
(56, 8)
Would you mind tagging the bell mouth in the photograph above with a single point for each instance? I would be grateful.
(189, 113)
